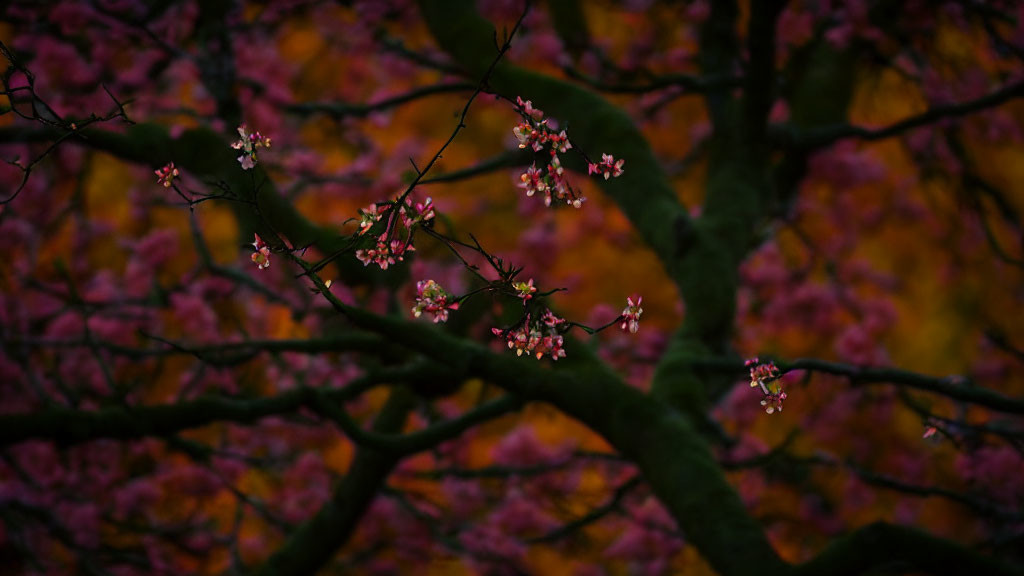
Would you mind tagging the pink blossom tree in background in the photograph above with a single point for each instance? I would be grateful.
(501, 287)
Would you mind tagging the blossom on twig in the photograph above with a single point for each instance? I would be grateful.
(248, 143)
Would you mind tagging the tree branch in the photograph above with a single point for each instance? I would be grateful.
(882, 546)
(70, 426)
(818, 137)
(342, 109)
(957, 388)
(398, 444)
(670, 453)
(314, 543)
(759, 83)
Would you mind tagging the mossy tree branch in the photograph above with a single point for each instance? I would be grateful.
(900, 550)
(314, 543)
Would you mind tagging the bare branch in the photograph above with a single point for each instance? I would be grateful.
(818, 137)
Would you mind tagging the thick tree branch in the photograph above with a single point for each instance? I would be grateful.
(70, 426)
(759, 83)
(673, 458)
(818, 137)
(719, 53)
(900, 550)
(313, 544)
(644, 194)
(399, 444)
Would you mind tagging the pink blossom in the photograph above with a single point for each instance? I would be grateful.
(385, 253)
(533, 181)
(537, 337)
(528, 109)
(166, 175)
(559, 142)
(525, 290)
(369, 216)
(248, 143)
(609, 167)
(433, 299)
(424, 211)
(766, 377)
(262, 255)
(536, 134)
(530, 136)
(631, 315)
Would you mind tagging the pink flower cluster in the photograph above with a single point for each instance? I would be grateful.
(631, 315)
(433, 299)
(538, 337)
(166, 175)
(535, 132)
(391, 247)
(549, 180)
(609, 167)
(766, 377)
(248, 143)
(385, 253)
(261, 257)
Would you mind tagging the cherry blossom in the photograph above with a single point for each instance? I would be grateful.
(631, 315)
(766, 377)
(396, 240)
(424, 211)
(609, 167)
(528, 109)
(537, 337)
(525, 290)
(535, 134)
(248, 143)
(385, 253)
(368, 217)
(433, 299)
(533, 181)
(530, 136)
(166, 175)
(262, 255)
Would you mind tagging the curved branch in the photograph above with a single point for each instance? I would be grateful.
(313, 544)
(398, 444)
(508, 159)
(902, 550)
(954, 387)
(343, 109)
(819, 137)
(71, 426)
(674, 459)
(957, 388)
(594, 515)
(644, 194)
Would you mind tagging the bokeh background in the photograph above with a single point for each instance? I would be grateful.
(903, 251)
